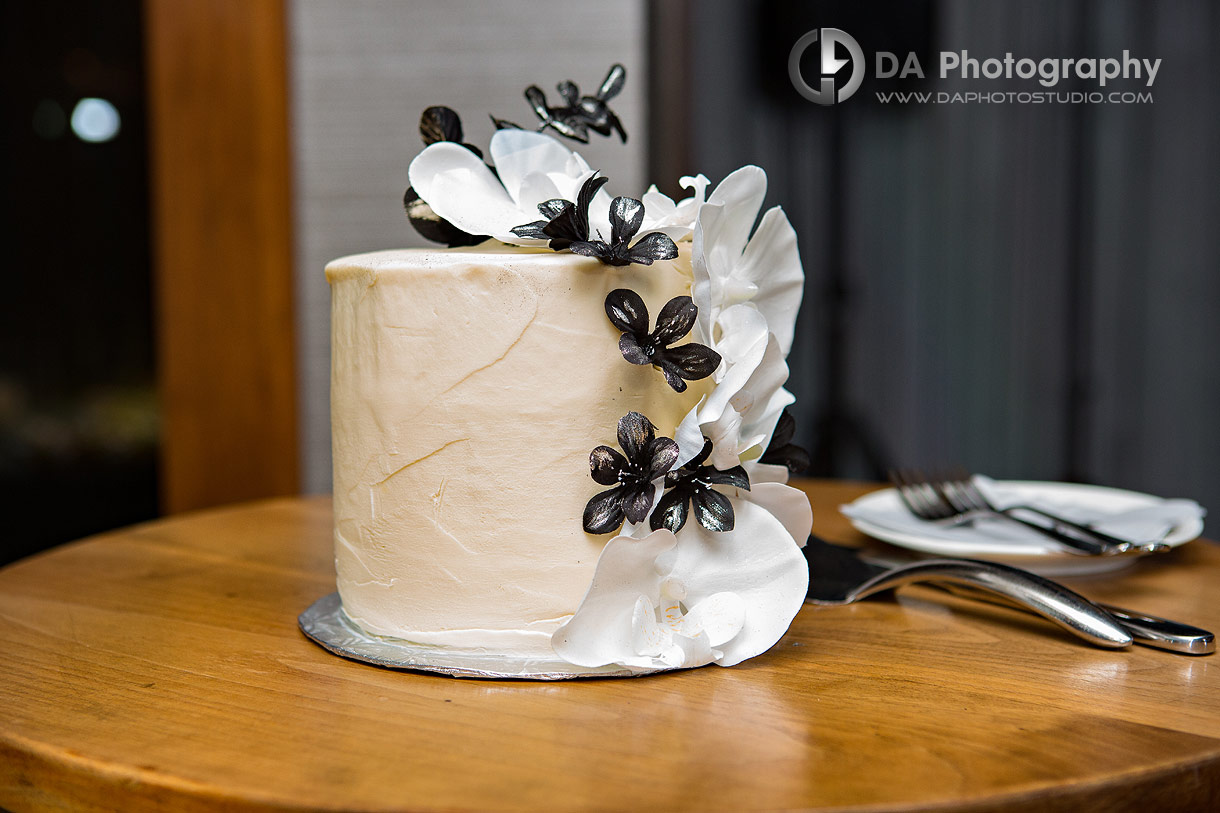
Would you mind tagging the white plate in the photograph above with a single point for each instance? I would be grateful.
(889, 520)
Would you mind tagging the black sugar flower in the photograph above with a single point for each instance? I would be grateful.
(626, 215)
(566, 222)
(579, 114)
(781, 451)
(443, 124)
(567, 226)
(439, 124)
(691, 362)
(691, 485)
(647, 458)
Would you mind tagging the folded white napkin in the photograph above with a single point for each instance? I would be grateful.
(1124, 514)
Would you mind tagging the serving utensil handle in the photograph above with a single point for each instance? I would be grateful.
(1048, 599)
(1162, 633)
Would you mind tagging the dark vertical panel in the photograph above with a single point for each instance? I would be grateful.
(78, 406)
(669, 82)
(1158, 282)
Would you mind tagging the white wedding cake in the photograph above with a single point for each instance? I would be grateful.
(557, 441)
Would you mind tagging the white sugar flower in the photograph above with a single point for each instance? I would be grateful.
(699, 597)
(532, 168)
(677, 220)
(740, 413)
(748, 289)
(731, 267)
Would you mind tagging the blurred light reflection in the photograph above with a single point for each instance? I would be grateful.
(95, 120)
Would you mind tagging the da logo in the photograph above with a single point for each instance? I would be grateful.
(829, 66)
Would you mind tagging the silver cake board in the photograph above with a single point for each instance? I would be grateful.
(325, 623)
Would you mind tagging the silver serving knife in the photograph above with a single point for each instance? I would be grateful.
(839, 575)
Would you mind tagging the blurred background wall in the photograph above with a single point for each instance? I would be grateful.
(1030, 291)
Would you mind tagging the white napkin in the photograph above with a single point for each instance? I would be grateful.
(1127, 515)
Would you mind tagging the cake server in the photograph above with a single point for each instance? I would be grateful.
(841, 575)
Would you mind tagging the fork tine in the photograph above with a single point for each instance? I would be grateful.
(958, 496)
(900, 485)
(921, 492)
(960, 480)
(976, 494)
(909, 493)
(915, 495)
(940, 506)
(945, 490)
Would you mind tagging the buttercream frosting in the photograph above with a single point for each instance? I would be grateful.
(468, 387)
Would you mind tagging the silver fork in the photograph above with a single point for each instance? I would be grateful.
(954, 501)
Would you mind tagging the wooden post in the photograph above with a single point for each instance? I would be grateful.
(222, 249)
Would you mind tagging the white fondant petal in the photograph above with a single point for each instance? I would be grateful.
(677, 220)
(698, 185)
(689, 436)
(742, 346)
(647, 637)
(772, 263)
(706, 286)
(740, 414)
(690, 652)
(766, 473)
(787, 504)
(658, 207)
(762, 421)
(460, 188)
(741, 194)
(721, 616)
(536, 188)
(758, 561)
(518, 154)
(724, 433)
(602, 631)
(767, 395)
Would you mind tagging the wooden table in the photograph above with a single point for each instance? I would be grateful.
(160, 667)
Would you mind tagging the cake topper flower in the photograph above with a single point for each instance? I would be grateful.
(629, 314)
(692, 485)
(530, 169)
(568, 227)
(437, 124)
(578, 114)
(647, 458)
(668, 601)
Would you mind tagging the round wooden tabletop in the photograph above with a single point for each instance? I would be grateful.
(160, 667)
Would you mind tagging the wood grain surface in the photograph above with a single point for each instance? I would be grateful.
(222, 250)
(160, 668)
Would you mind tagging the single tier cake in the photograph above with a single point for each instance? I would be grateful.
(563, 440)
